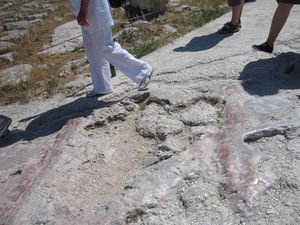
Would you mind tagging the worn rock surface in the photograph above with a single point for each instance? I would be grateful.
(16, 17)
(214, 140)
(15, 74)
(70, 34)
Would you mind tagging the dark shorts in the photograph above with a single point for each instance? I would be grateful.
(289, 1)
(235, 2)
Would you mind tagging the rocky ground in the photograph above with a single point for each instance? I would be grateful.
(16, 17)
(214, 140)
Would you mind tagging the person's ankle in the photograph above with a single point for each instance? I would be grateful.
(268, 43)
(234, 23)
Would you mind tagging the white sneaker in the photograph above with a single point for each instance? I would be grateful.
(146, 80)
(94, 93)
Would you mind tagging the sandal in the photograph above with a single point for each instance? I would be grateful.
(264, 47)
(229, 28)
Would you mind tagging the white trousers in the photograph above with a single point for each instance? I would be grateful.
(101, 50)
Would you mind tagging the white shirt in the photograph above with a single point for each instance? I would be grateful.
(98, 10)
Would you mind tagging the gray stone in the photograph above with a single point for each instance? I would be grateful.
(294, 147)
(36, 21)
(8, 3)
(81, 80)
(150, 160)
(27, 11)
(49, 7)
(130, 106)
(9, 20)
(15, 74)
(13, 35)
(141, 23)
(158, 127)
(195, 195)
(44, 66)
(169, 29)
(35, 16)
(62, 36)
(45, 6)
(5, 46)
(20, 25)
(31, 5)
(173, 3)
(129, 34)
(196, 115)
(183, 8)
(72, 66)
(174, 144)
(5, 13)
(199, 131)
(8, 57)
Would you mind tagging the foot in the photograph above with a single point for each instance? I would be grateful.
(146, 80)
(239, 24)
(229, 28)
(264, 47)
(94, 93)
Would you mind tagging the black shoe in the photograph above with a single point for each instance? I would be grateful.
(229, 28)
(265, 47)
(112, 70)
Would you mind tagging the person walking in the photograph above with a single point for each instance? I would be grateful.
(236, 12)
(95, 19)
(279, 19)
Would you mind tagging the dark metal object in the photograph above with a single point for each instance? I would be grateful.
(116, 3)
(4, 124)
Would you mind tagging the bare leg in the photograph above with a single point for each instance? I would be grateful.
(280, 17)
(241, 10)
(236, 14)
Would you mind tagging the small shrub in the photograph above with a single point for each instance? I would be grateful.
(142, 48)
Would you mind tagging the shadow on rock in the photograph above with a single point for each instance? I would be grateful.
(52, 121)
(268, 76)
(202, 43)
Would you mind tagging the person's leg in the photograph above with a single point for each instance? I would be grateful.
(241, 11)
(235, 23)
(107, 50)
(280, 17)
(236, 14)
(99, 67)
(130, 66)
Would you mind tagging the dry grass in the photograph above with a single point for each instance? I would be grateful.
(45, 82)
(184, 22)
(39, 34)
(42, 82)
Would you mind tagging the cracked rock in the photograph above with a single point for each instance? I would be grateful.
(158, 127)
(15, 74)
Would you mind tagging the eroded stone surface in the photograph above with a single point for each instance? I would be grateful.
(4, 46)
(20, 25)
(63, 34)
(15, 74)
